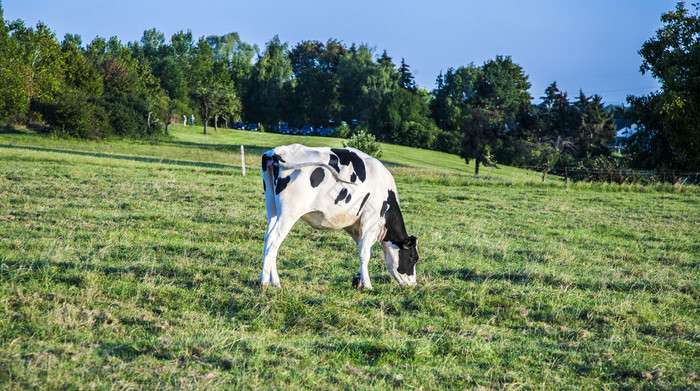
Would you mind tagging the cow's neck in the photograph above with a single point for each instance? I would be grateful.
(395, 228)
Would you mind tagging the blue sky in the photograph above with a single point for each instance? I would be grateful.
(590, 45)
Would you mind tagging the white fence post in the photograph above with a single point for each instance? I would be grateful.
(243, 160)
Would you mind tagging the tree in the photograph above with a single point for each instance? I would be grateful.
(264, 101)
(201, 65)
(237, 55)
(483, 126)
(669, 118)
(504, 86)
(406, 80)
(596, 129)
(226, 104)
(354, 78)
(363, 83)
(182, 43)
(153, 43)
(559, 118)
(403, 118)
(79, 72)
(454, 96)
(39, 50)
(204, 100)
(172, 77)
(14, 97)
(468, 99)
(165, 108)
(315, 65)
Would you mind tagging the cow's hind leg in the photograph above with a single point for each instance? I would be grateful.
(277, 230)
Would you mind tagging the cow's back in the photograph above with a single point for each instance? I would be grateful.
(327, 187)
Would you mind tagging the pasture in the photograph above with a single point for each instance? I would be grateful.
(133, 265)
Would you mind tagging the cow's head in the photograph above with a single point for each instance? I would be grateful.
(401, 259)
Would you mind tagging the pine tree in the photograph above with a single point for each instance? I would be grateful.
(406, 78)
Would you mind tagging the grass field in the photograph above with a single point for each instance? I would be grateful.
(132, 265)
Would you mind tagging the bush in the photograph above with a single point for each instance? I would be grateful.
(446, 141)
(127, 114)
(342, 131)
(365, 142)
(416, 134)
(73, 114)
(606, 169)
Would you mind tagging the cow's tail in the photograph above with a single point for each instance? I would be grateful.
(269, 184)
(287, 166)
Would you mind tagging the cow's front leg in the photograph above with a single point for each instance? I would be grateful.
(276, 232)
(365, 253)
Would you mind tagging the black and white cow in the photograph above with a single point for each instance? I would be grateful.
(335, 188)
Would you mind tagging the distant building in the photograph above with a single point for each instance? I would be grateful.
(621, 136)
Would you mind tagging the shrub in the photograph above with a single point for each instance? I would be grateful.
(365, 142)
(446, 141)
(342, 131)
(73, 114)
(606, 169)
(127, 114)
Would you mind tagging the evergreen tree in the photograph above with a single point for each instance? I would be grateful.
(596, 129)
(406, 77)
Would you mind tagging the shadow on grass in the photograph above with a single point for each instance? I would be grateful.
(471, 275)
(236, 148)
(585, 284)
(125, 351)
(126, 157)
(10, 130)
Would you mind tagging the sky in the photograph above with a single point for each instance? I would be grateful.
(590, 46)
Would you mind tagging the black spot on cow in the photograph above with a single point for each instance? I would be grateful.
(353, 177)
(281, 184)
(396, 234)
(264, 186)
(265, 161)
(277, 158)
(347, 157)
(363, 204)
(275, 171)
(347, 199)
(333, 162)
(341, 196)
(317, 177)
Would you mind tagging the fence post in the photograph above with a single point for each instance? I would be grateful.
(242, 160)
(566, 175)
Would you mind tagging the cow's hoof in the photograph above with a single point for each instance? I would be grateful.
(261, 284)
(356, 281)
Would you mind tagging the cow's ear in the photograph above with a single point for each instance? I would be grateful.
(410, 242)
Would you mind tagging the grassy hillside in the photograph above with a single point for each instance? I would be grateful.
(133, 265)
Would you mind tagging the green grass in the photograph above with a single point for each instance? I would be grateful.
(128, 264)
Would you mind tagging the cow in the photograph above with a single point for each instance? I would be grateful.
(333, 188)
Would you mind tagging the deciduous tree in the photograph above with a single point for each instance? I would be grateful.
(670, 117)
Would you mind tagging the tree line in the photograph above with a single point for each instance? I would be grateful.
(482, 112)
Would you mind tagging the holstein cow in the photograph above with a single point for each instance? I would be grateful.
(335, 188)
